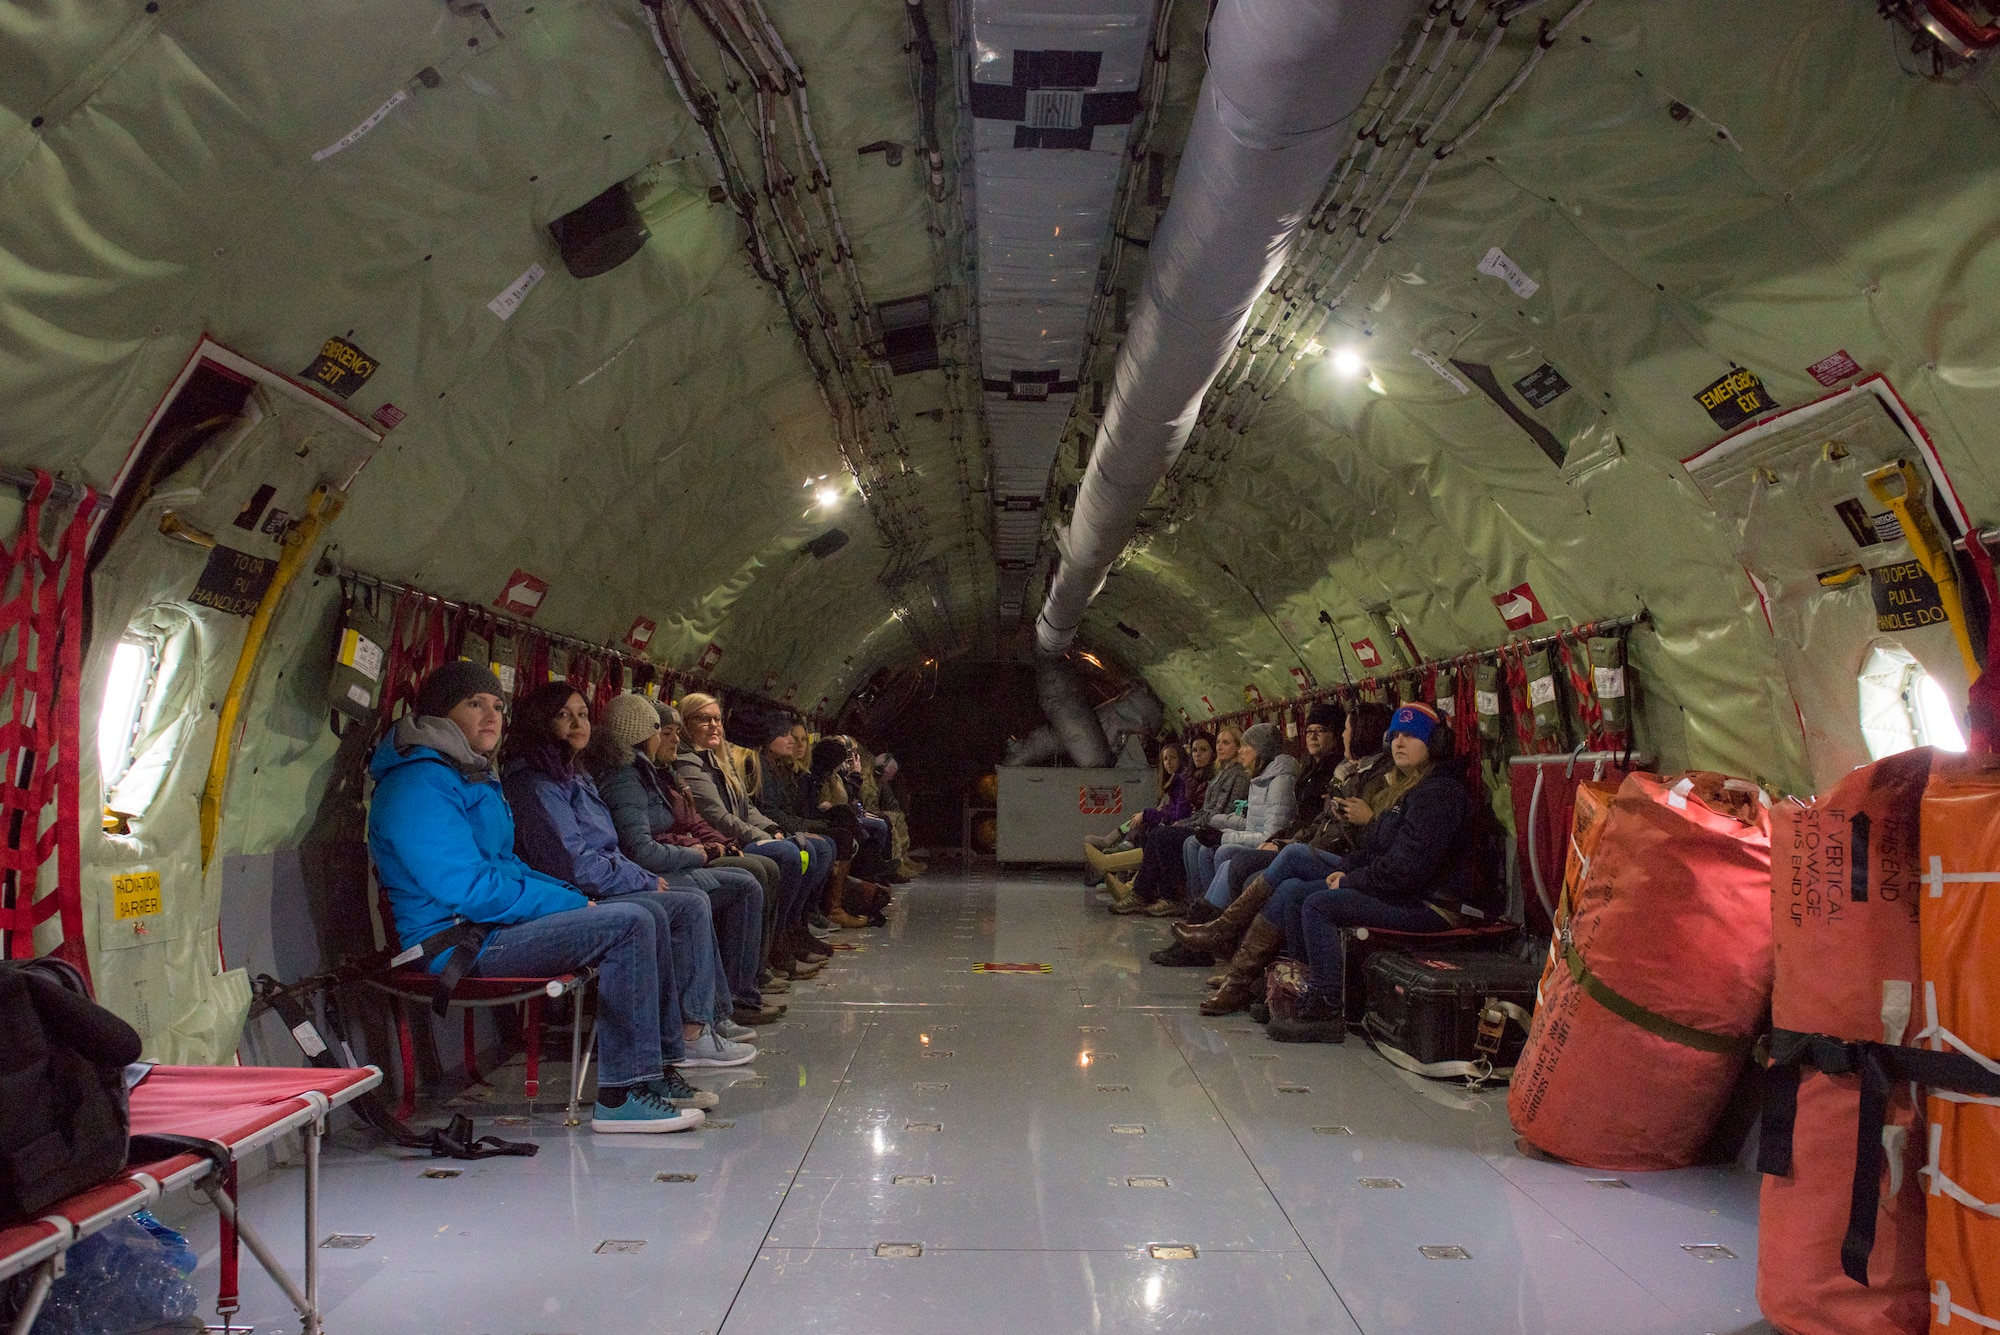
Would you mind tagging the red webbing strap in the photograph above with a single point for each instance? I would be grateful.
(1590, 713)
(228, 1296)
(1465, 717)
(1514, 671)
(1983, 700)
(39, 741)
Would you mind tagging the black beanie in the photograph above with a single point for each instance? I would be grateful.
(453, 684)
(1326, 714)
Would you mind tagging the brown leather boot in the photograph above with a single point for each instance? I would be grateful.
(836, 899)
(1246, 969)
(1221, 937)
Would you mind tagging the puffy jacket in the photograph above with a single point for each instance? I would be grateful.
(1272, 801)
(1226, 787)
(1174, 806)
(1316, 778)
(641, 814)
(720, 803)
(1331, 832)
(564, 829)
(443, 846)
(1420, 849)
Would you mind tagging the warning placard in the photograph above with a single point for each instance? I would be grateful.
(233, 581)
(1100, 801)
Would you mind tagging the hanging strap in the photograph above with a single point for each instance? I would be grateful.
(1877, 1065)
(1650, 1020)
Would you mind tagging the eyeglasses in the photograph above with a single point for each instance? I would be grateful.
(705, 719)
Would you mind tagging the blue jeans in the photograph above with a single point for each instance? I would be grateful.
(819, 873)
(1312, 916)
(638, 1020)
(682, 917)
(1198, 865)
(1235, 864)
(736, 907)
(877, 831)
(791, 881)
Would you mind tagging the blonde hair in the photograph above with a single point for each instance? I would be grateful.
(1236, 734)
(724, 755)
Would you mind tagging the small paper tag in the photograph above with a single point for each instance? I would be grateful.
(1610, 682)
(1445, 373)
(517, 291)
(361, 653)
(413, 953)
(361, 695)
(1488, 702)
(310, 1042)
(1499, 266)
(1541, 690)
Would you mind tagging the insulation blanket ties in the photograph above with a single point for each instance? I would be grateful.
(1959, 925)
(1844, 900)
(1671, 924)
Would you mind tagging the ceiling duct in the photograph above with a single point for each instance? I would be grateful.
(1052, 93)
(598, 236)
(1284, 77)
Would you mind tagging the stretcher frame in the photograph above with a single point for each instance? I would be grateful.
(39, 1246)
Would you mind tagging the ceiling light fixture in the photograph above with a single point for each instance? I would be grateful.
(828, 497)
(1347, 362)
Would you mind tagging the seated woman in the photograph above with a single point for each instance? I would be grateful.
(1162, 870)
(781, 784)
(1236, 860)
(1410, 872)
(1122, 849)
(563, 829)
(830, 786)
(627, 738)
(442, 839)
(1271, 806)
(1344, 810)
(805, 863)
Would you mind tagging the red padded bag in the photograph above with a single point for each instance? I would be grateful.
(1844, 895)
(1667, 974)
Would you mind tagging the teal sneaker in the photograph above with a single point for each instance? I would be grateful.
(642, 1112)
(675, 1089)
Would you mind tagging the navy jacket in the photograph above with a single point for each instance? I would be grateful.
(1420, 849)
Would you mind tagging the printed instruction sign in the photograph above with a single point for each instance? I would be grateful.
(1499, 266)
(135, 895)
(1905, 597)
(1734, 399)
(233, 581)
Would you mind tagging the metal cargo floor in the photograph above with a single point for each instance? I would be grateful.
(1038, 1136)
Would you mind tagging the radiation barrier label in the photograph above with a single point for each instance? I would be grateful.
(135, 895)
(1013, 968)
(1100, 801)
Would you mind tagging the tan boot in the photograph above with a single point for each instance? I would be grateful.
(1246, 969)
(1104, 863)
(1221, 937)
(1123, 898)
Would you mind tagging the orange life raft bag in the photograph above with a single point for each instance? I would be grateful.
(1836, 1254)
(1960, 923)
(1664, 979)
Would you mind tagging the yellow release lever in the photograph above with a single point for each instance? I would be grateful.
(1904, 488)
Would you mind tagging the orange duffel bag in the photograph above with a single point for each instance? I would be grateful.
(1960, 912)
(1666, 975)
(1844, 895)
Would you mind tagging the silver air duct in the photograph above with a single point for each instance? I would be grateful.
(1069, 713)
(1284, 79)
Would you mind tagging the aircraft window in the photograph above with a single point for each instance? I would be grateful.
(149, 710)
(134, 669)
(1903, 706)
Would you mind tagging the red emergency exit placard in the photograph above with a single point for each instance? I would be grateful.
(709, 657)
(1369, 655)
(522, 595)
(641, 633)
(1519, 607)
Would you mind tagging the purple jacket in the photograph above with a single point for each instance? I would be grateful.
(1175, 804)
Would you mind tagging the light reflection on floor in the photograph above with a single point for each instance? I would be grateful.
(927, 1149)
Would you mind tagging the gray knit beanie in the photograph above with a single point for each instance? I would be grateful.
(1263, 739)
(629, 719)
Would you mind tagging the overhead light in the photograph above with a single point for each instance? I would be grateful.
(1090, 658)
(828, 497)
(1347, 362)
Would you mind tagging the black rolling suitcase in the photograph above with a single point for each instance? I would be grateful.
(1446, 1014)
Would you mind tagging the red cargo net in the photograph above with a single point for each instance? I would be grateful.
(41, 661)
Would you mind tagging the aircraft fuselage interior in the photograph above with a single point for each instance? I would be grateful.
(735, 667)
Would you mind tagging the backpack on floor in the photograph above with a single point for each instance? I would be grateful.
(63, 1115)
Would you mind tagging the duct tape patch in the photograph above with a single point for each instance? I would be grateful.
(1013, 968)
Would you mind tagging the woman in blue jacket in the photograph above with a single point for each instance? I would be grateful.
(563, 829)
(442, 839)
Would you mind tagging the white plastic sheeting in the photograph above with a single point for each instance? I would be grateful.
(1053, 90)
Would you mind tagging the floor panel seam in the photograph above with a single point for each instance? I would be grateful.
(1249, 1159)
(798, 1170)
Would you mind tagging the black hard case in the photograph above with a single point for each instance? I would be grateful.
(1428, 1005)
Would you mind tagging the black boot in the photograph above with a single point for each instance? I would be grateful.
(1320, 1020)
(1182, 956)
(1202, 911)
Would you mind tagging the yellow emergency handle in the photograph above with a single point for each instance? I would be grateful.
(1906, 491)
(321, 509)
